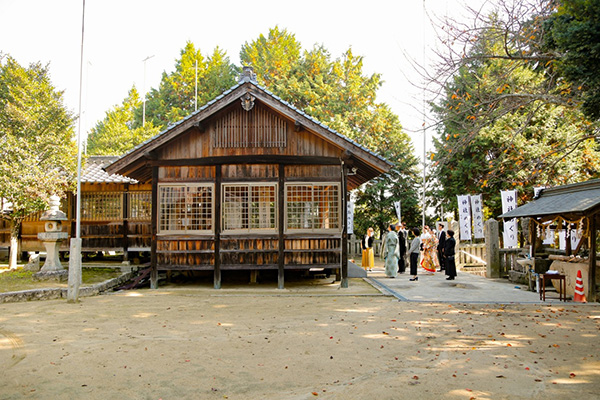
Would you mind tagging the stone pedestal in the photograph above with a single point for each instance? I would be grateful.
(53, 235)
(52, 242)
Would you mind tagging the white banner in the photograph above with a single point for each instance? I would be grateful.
(398, 208)
(575, 235)
(509, 203)
(464, 215)
(477, 210)
(509, 200)
(510, 233)
(350, 227)
(562, 240)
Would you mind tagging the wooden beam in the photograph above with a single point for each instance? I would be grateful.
(217, 227)
(249, 159)
(345, 194)
(126, 222)
(593, 268)
(281, 222)
(154, 230)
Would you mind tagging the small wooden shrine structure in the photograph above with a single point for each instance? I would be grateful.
(248, 182)
(115, 214)
(577, 206)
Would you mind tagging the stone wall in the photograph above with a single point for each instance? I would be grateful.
(61, 293)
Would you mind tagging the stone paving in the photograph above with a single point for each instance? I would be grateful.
(466, 288)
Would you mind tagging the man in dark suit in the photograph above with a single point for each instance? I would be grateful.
(402, 247)
(441, 236)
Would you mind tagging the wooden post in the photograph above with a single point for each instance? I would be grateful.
(154, 229)
(344, 269)
(281, 209)
(592, 246)
(492, 249)
(126, 222)
(533, 237)
(217, 223)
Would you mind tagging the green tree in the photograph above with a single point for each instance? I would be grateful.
(116, 133)
(508, 121)
(37, 151)
(272, 57)
(574, 33)
(338, 93)
(175, 97)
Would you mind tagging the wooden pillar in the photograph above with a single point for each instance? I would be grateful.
(154, 230)
(281, 213)
(126, 222)
(492, 249)
(345, 194)
(533, 237)
(217, 223)
(592, 246)
(568, 249)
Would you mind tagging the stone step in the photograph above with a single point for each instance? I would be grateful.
(479, 270)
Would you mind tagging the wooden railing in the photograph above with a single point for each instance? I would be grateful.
(470, 254)
(354, 250)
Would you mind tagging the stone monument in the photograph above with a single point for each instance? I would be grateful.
(52, 238)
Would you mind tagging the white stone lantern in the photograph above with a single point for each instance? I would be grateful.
(53, 235)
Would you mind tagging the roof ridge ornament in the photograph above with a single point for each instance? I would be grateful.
(248, 75)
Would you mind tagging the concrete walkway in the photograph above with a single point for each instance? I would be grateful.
(466, 288)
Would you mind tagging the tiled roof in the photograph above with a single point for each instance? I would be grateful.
(93, 171)
(243, 81)
(577, 198)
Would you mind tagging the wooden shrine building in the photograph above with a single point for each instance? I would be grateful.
(574, 206)
(248, 182)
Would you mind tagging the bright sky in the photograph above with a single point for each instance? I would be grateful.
(119, 34)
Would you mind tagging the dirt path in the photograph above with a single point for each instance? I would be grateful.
(231, 344)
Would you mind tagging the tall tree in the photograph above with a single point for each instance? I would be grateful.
(37, 151)
(506, 117)
(272, 57)
(574, 33)
(116, 133)
(175, 97)
(338, 93)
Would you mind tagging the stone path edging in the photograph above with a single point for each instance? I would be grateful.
(61, 293)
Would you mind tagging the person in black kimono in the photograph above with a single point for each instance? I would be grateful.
(402, 247)
(441, 237)
(449, 253)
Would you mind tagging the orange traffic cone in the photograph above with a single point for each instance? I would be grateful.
(579, 293)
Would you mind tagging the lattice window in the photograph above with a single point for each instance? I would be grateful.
(185, 208)
(313, 207)
(255, 128)
(101, 206)
(140, 206)
(249, 207)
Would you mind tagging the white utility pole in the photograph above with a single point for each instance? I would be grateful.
(144, 92)
(75, 250)
(196, 89)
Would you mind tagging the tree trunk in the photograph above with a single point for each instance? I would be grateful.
(14, 244)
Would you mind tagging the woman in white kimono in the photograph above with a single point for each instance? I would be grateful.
(391, 253)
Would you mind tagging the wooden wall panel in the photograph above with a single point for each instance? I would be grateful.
(252, 171)
(197, 143)
(187, 174)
